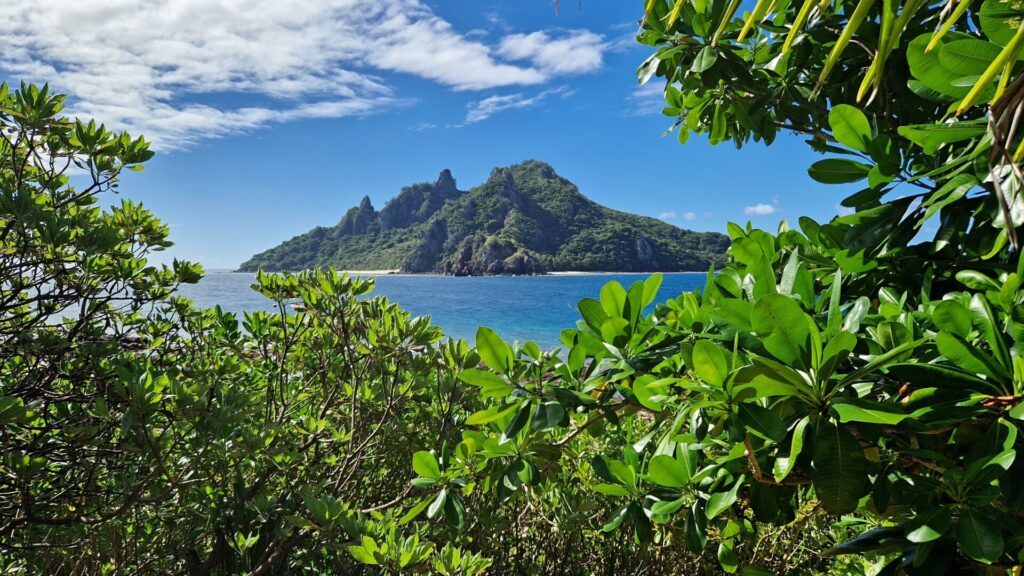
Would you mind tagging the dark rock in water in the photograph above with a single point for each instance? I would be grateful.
(525, 219)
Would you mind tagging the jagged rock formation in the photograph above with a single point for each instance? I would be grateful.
(525, 219)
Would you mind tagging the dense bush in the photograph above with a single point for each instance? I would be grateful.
(861, 368)
(141, 435)
(845, 397)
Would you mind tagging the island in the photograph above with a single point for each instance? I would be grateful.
(525, 219)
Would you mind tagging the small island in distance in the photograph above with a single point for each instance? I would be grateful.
(525, 219)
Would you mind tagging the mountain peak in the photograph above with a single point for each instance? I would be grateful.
(445, 178)
(524, 219)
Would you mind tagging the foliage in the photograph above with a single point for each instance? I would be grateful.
(143, 435)
(845, 397)
(867, 367)
(524, 219)
(83, 373)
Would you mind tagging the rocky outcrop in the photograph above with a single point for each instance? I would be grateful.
(490, 255)
(417, 203)
(358, 220)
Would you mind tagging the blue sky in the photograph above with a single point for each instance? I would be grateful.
(274, 117)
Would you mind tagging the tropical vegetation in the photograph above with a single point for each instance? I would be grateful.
(840, 397)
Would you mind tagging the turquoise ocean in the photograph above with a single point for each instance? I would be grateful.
(535, 308)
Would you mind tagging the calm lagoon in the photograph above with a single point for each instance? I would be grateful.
(520, 308)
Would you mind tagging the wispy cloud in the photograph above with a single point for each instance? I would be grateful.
(646, 99)
(672, 215)
(576, 52)
(484, 109)
(175, 70)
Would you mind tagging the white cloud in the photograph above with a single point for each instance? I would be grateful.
(484, 109)
(168, 68)
(690, 216)
(669, 215)
(578, 51)
(843, 210)
(760, 210)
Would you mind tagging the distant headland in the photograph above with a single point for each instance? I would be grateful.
(525, 219)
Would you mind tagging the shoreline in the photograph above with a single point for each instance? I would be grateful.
(397, 272)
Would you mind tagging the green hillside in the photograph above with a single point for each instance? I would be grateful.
(525, 219)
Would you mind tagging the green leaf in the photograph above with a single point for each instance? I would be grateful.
(966, 356)
(616, 519)
(516, 424)
(494, 352)
(667, 507)
(1017, 412)
(425, 464)
(929, 526)
(362, 555)
(783, 466)
(952, 317)
(763, 422)
(491, 385)
(851, 410)
(922, 375)
(836, 352)
(611, 489)
(850, 127)
(549, 414)
(979, 537)
(734, 312)
(695, 529)
(455, 511)
(976, 280)
(999, 20)
(490, 414)
(613, 299)
(988, 324)
(879, 362)
(930, 136)
(414, 512)
(705, 59)
(782, 327)
(968, 56)
(651, 391)
(839, 470)
(651, 286)
(593, 313)
(838, 171)
(665, 470)
(438, 504)
(709, 363)
(727, 557)
(721, 501)
(929, 71)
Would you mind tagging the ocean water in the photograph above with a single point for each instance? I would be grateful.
(523, 308)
